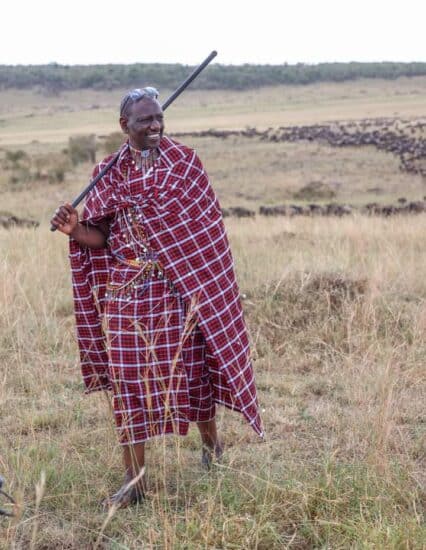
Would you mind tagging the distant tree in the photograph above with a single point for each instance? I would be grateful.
(55, 78)
(113, 142)
(82, 149)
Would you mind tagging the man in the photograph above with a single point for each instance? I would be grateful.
(159, 321)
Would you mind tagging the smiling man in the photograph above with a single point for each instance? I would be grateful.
(158, 315)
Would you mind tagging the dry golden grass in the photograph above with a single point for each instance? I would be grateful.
(337, 315)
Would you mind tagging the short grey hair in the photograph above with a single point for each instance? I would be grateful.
(136, 95)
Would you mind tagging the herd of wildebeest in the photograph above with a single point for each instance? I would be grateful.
(312, 209)
(402, 138)
(330, 209)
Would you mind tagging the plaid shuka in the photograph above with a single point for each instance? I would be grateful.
(182, 219)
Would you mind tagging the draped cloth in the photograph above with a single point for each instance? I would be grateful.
(182, 219)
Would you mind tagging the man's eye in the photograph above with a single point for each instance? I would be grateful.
(148, 120)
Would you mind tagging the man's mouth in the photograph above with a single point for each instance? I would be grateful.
(155, 136)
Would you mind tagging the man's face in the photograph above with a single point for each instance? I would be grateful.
(144, 124)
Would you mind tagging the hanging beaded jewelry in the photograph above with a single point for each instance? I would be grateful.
(143, 159)
(145, 259)
(134, 234)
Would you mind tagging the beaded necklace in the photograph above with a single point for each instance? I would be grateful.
(134, 234)
(143, 159)
(146, 260)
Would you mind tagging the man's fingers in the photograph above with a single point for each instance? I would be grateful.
(69, 208)
(57, 221)
(65, 211)
(62, 216)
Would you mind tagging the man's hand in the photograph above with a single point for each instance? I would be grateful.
(65, 219)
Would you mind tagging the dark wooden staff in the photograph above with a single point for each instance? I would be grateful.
(168, 101)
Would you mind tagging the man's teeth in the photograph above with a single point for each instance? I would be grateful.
(154, 135)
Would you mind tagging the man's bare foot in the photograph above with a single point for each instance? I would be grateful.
(210, 455)
(127, 495)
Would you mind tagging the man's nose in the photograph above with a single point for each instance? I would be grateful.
(155, 124)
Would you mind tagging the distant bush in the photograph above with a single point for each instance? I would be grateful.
(56, 175)
(57, 168)
(20, 175)
(317, 309)
(23, 168)
(51, 168)
(113, 142)
(54, 78)
(18, 163)
(15, 157)
(314, 190)
(82, 149)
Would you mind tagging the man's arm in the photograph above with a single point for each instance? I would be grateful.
(66, 221)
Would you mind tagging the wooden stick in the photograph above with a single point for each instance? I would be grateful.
(168, 101)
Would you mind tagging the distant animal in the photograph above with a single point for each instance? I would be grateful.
(241, 212)
(9, 220)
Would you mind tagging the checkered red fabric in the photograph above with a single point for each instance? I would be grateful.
(157, 369)
(181, 217)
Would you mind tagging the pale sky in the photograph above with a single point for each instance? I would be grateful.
(185, 31)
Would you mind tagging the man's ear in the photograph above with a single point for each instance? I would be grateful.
(123, 124)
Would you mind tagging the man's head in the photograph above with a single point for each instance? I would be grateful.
(141, 117)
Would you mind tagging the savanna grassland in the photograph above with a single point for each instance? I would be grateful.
(336, 309)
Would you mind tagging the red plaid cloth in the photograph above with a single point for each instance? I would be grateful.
(158, 370)
(181, 217)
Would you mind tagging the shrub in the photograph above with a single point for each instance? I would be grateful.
(16, 156)
(82, 149)
(51, 168)
(20, 175)
(113, 142)
(315, 190)
(16, 160)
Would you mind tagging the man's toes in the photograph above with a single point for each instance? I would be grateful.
(207, 457)
(125, 496)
